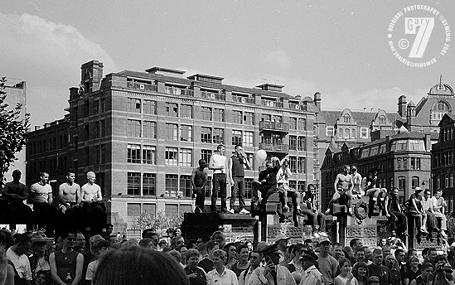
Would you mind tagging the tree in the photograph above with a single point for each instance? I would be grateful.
(159, 222)
(13, 130)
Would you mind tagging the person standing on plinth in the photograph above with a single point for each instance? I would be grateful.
(41, 197)
(236, 173)
(218, 165)
(92, 199)
(69, 194)
(15, 193)
(199, 179)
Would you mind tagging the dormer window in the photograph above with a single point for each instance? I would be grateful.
(382, 120)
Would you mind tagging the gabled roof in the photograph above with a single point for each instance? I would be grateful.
(362, 118)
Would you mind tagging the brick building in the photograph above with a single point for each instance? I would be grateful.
(333, 129)
(428, 112)
(16, 93)
(443, 159)
(143, 133)
(403, 161)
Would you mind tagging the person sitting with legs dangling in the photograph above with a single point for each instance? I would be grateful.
(341, 196)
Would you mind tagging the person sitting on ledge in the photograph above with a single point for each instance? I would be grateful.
(377, 195)
(92, 201)
(341, 196)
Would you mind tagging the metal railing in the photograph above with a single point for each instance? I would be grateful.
(274, 147)
(273, 126)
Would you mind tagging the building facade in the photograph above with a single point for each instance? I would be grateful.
(443, 160)
(403, 160)
(16, 93)
(143, 133)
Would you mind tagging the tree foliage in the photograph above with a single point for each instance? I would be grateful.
(159, 222)
(13, 130)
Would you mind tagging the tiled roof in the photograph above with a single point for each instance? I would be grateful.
(203, 84)
(362, 118)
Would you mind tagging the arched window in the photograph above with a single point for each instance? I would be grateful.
(346, 118)
(438, 110)
(382, 120)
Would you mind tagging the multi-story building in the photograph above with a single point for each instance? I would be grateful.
(403, 160)
(144, 132)
(428, 112)
(443, 159)
(333, 129)
(16, 93)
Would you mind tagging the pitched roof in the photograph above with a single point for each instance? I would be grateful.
(362, 118)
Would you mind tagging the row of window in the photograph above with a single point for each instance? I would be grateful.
(146, 154)
(144, 184)
(98, 105)
(403, 163)
(446, 158)
(447, 134)
(297, 143)
(444, 181)
(45, 144)
(346, 132)
(98, 127)
(136, 105)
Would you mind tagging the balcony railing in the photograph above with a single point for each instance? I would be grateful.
(241, 99)
(213, 95)
(294, 106)
(273, 126)
(178, 91)
(274, 147)
(142, 86)
(270, 103)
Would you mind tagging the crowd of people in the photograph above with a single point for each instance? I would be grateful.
(426, 212)
(73, 258)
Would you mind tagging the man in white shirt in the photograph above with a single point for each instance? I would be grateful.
(218, 165)
(429, 219)
(438, 210)
(16, 255)
(220, 275)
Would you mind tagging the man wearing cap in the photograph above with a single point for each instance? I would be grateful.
(327, 264)
(273, 271)
(310, 274)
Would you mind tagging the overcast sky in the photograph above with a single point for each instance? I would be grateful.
(338, 48)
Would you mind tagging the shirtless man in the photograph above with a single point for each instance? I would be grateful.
(69, 192)
(356, 186)
(91, 192)
(342, 185)
(93, 212)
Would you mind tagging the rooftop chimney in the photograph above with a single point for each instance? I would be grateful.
(317, 100)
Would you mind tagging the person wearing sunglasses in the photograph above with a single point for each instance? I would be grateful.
(254, 274)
